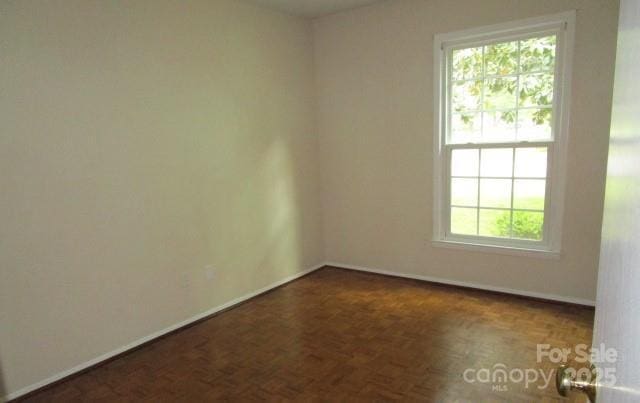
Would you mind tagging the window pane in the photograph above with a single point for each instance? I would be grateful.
(499, 126)
(534, 124)
(497, 162)
(495, 193)
(465, 127)
(464, 221)
(501, 58)
(464, 162)
(467, 63)
(500, 93)
(537, 54)
(531, 163)
(466, 95)
(495, 223)
(464, 192)
(529, 194)
(528, 225)
(536, 90)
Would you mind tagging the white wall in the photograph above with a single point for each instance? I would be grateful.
(374, 74)
(139, 142)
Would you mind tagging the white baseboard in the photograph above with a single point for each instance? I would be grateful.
(551, 297)
(120, 350)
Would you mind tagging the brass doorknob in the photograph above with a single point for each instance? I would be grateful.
(565, 383)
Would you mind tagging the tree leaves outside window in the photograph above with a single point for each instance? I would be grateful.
(512, 79)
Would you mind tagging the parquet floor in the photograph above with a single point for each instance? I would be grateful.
(339, 335)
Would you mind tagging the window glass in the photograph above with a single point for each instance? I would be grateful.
(502, 91)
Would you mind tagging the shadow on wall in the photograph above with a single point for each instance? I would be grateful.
(282, 219)
(264, 188)
(276, 229)
(3, 389)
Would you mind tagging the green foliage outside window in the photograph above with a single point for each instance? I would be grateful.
(510, 86)
(533, 59)
(526, 225)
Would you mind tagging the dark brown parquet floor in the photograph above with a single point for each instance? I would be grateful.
(339, 335)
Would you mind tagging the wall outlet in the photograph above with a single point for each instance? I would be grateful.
(186, 280)
(209, 272)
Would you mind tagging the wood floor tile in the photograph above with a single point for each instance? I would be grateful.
(339, 335)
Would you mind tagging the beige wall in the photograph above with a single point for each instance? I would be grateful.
(139, 142)
(374, 74)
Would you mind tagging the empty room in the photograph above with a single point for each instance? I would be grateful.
(319, 200)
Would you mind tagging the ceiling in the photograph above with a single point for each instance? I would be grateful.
(312, 8)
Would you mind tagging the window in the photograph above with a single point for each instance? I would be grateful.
(501, 133)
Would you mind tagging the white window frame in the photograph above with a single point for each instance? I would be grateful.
(562, 25)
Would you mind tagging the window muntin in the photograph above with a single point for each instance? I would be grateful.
(506, 92)
(502, 91)
(498, 192)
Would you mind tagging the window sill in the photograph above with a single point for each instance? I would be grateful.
(502, 250)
